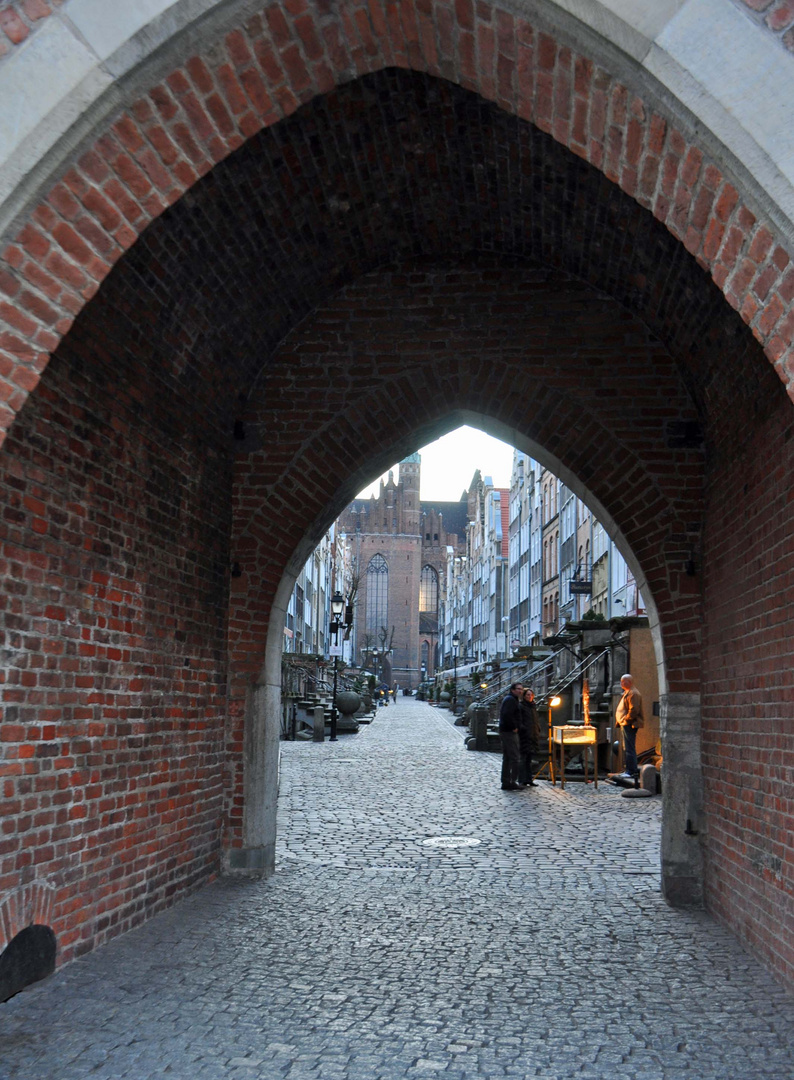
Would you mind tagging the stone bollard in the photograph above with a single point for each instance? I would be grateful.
(647, 784)
(478, 723)
(319, 723)
(648, 776)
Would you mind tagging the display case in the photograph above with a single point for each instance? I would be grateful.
(581, 737)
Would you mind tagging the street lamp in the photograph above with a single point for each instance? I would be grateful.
(337, 607)
(549, 765)
(455, 646)
(553, 704)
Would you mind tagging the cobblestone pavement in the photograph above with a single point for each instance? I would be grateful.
(538, 946)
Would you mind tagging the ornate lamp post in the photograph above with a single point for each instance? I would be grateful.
(548, 765)
(337, 607)
(455, 647)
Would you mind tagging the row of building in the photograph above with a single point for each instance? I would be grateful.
(498, 570)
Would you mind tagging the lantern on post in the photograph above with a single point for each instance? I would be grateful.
(548, 765)
(455, 647)
(337, 607)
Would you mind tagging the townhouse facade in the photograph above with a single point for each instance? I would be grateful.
(560, 563)
(327, 570)
(500, 569)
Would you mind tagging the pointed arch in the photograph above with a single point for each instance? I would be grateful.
(428, 591)
(182, 114)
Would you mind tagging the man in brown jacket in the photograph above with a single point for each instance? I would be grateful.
(628, 716)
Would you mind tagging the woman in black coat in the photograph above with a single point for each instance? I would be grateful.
(527, 738)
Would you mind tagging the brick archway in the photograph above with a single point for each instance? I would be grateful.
(118, 472)
(206, 108)
(435, 346)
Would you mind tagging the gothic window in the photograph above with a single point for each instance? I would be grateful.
(428, 601)
(428, 591)
(377, 594)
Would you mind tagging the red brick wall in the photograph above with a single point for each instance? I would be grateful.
(107, 474)
(267, 67)
(585, 378)
(114, 559)
(748, 684)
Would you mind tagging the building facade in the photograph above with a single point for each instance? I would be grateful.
(401, 551)
(502, 568)
(328, 570)
(536, 559)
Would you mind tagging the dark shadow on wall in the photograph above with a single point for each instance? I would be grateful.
(29, 957)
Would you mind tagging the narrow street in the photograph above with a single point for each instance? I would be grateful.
(422, 923)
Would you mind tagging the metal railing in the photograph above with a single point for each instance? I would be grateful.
(537, 673)
(571, 676)
(321, 684)
(532, 672)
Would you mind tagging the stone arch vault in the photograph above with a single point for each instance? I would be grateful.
(238, 192)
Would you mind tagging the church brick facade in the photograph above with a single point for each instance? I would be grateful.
(400, 549)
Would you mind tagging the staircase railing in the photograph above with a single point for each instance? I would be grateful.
(535, 674)
(323, 683)
(571, 676)
(532, 672)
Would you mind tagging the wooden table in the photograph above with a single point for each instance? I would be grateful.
(578, 735)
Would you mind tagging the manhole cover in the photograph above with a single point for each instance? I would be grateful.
(451, 841)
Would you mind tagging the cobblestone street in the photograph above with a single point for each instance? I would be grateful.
(538, 946)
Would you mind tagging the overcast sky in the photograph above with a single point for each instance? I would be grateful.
(448, 464)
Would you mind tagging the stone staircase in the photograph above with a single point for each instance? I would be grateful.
(306, 713)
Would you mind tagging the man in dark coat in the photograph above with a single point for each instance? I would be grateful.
(509, 724)
(527, 738)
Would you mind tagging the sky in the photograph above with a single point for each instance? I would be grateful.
(448, 465)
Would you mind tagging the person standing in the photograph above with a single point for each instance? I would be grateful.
(527, 738)
(629, 716)
(509, 725)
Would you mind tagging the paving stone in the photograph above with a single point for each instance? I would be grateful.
(545, 950)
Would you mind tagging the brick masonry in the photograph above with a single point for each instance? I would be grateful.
(276, 61)
(410, 535)
(548, 233)
(404, 557)
(748, 687)
(113, 597)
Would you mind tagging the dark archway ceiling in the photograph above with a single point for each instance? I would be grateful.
(396, 166)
